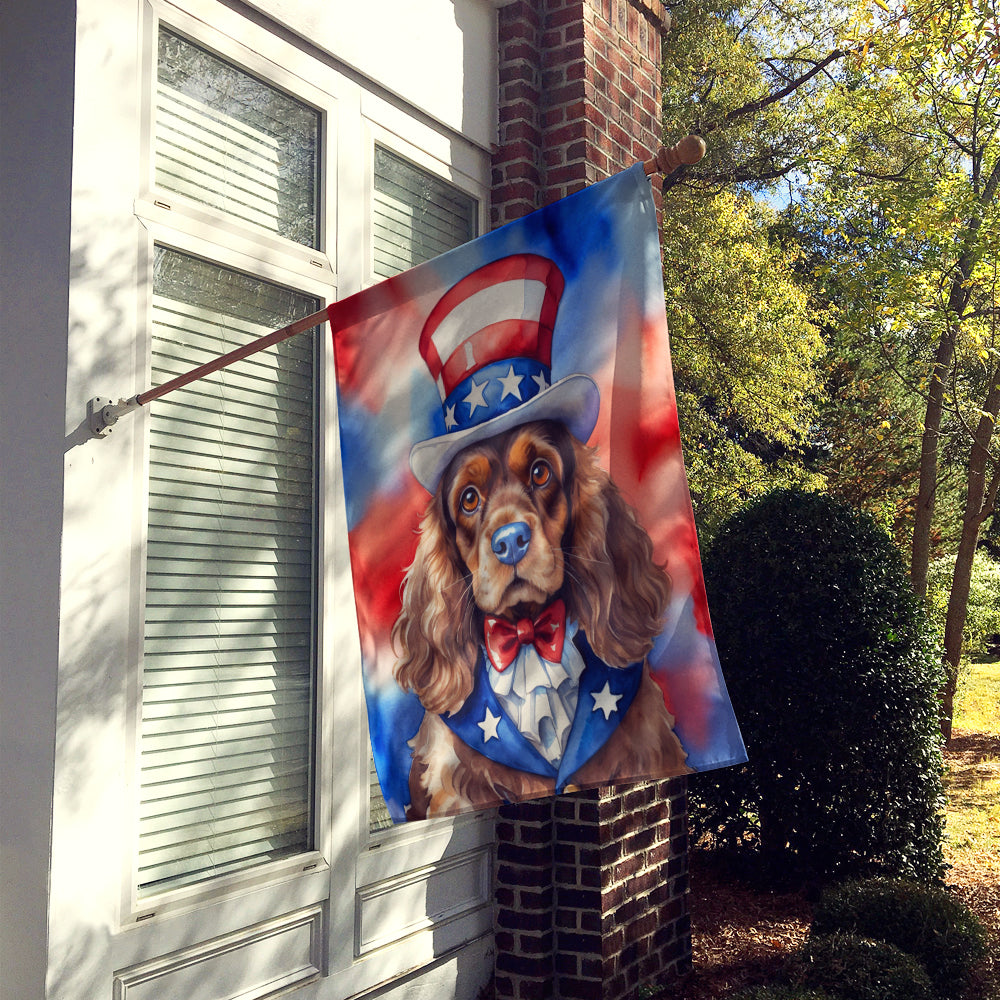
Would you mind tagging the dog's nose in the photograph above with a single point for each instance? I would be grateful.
(510, 542)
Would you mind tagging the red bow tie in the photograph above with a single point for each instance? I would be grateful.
(546, 633)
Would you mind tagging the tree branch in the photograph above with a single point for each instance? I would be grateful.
(754, 106)
(899, 176)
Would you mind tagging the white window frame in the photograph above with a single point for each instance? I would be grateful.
(392, 860)
(183, 240)
(352, 876)
(183, 225)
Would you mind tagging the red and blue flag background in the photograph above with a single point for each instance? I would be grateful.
(610, 325)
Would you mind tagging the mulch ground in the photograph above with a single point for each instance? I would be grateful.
(742, 935)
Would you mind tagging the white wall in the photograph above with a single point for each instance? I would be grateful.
(415, 49)
(71, 294)
(36, 108)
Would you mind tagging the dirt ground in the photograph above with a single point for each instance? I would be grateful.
(741, 936)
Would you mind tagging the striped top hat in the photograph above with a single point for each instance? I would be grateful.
(488, 345)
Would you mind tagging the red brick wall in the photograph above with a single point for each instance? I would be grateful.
(591, 893)
(579, 96)
(621, 888)
(591, 888)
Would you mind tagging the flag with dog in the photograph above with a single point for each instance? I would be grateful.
(526, 575)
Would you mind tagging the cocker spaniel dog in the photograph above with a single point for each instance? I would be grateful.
(528, 612)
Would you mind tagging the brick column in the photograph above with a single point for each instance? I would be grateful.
(524, 898)
(621, 882)
(579, 96)
(591, 888)
(518, 171)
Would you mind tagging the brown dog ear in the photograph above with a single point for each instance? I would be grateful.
(618, 593)
(434, 633)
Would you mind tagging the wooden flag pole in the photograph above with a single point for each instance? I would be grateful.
(668, 158)
(103, 413)
(260, 344)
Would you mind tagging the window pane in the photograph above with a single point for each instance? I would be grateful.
(228, 656)
(416, 216)
(228, 140)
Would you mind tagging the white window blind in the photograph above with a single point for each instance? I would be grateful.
(416, 216)
(228, 140)
(228, 660)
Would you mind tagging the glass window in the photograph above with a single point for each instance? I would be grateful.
(228, 140)
(416, 215)
(228, 680)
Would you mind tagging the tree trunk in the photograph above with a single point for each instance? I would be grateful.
(920, 553)
(958, 299)
(980, 499)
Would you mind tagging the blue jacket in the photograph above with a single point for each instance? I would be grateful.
(591, 729)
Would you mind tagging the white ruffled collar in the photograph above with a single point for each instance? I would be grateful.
(540, 697)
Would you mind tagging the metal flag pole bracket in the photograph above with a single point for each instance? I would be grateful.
(103, 413)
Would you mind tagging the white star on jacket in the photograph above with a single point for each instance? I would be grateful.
(489, 726)
(540, 697)
(606, 701)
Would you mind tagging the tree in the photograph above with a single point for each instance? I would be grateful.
(746, 351)
(913, 189)
(982, 620)
(747, 358)
(879, 123)
(746, 75)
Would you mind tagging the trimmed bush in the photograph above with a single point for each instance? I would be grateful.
(833, 673)
(856, 968)
(925, 922)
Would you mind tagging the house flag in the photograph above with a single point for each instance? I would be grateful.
(528, 588)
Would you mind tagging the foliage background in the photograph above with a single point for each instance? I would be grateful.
(831, 271)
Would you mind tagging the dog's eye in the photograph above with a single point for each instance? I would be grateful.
(541, 473)
(469, 500)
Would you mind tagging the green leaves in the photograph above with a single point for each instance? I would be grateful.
(833, 675)
(926, 922)
(745, 350)
(875, 128)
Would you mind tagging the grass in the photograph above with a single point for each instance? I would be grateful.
(973, 783)
(972, 848)
(978, 698)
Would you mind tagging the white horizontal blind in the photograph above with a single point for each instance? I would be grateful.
(228, 657)
(228, 140)
(416, 216)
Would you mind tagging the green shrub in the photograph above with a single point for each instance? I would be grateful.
(856, 968)
(925, 922)
(833, 673)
